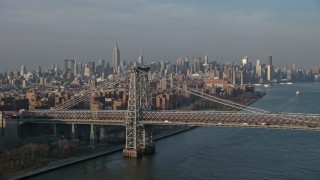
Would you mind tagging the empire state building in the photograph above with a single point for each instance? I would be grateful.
(116, 59)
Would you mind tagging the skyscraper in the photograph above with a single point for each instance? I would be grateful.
(69, 65)
(76, 68)
(258, 69)
(206, 60)
(23, 70)
(206, 63)
(245, 60)
(270, 72)
(92, 67)
(270, 60)
(102, 63)
(116, 58)
(196, 61)
(140, 60)
(270, 69)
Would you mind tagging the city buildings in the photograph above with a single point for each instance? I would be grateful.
(38, 89)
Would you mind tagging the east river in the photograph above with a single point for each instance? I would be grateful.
(222, 153)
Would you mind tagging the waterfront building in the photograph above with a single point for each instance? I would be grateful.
(270, 69)
(258, 69)
(315, 70)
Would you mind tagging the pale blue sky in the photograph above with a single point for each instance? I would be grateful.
(44, 32)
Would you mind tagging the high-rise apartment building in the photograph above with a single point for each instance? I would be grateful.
(116, 58)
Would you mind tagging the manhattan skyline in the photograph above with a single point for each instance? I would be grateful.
(47, 32)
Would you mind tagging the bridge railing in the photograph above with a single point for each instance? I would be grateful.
(202, 118)
(73, 115)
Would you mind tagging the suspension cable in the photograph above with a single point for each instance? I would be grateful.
(86, 93)
(213, 98)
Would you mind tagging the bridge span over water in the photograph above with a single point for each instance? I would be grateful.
(138, 118)
(177, 118)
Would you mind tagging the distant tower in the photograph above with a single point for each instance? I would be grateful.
(270, 60)
(259, 68)
(116, 58)
(196, 61)
(23, 70)
(206, 61)
(270, 69)
(140, 60)
(245, 60)
(102, 63)
(76, 68)
(39, 70)
(92, 67)
(69, 65)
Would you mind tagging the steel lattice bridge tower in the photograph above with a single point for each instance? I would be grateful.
(138, 117)
(138, 136)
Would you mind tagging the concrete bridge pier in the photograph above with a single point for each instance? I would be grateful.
(73, 134)
(147, 146)
(102, 135)
(92, 134)
(133, 138)
(132, 153)
(55, 134)
(133, 148)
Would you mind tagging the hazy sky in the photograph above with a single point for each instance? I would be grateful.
(45, 32)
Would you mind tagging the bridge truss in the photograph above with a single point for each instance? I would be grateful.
(138, 118)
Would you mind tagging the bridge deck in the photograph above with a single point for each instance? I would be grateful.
(178, 118)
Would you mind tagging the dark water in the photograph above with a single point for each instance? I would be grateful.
(222, 153)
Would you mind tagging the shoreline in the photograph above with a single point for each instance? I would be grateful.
(73, 160)
(108, 150)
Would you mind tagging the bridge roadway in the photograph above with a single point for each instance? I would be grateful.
(177, 118)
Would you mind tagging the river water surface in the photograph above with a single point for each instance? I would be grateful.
(222, 153)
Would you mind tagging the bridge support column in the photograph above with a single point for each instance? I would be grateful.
(137, 102)
(92, 142)
(132, 149)
(73, 134)
(147, 146)
(133, 129)
(102, 135)
(55, 134)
